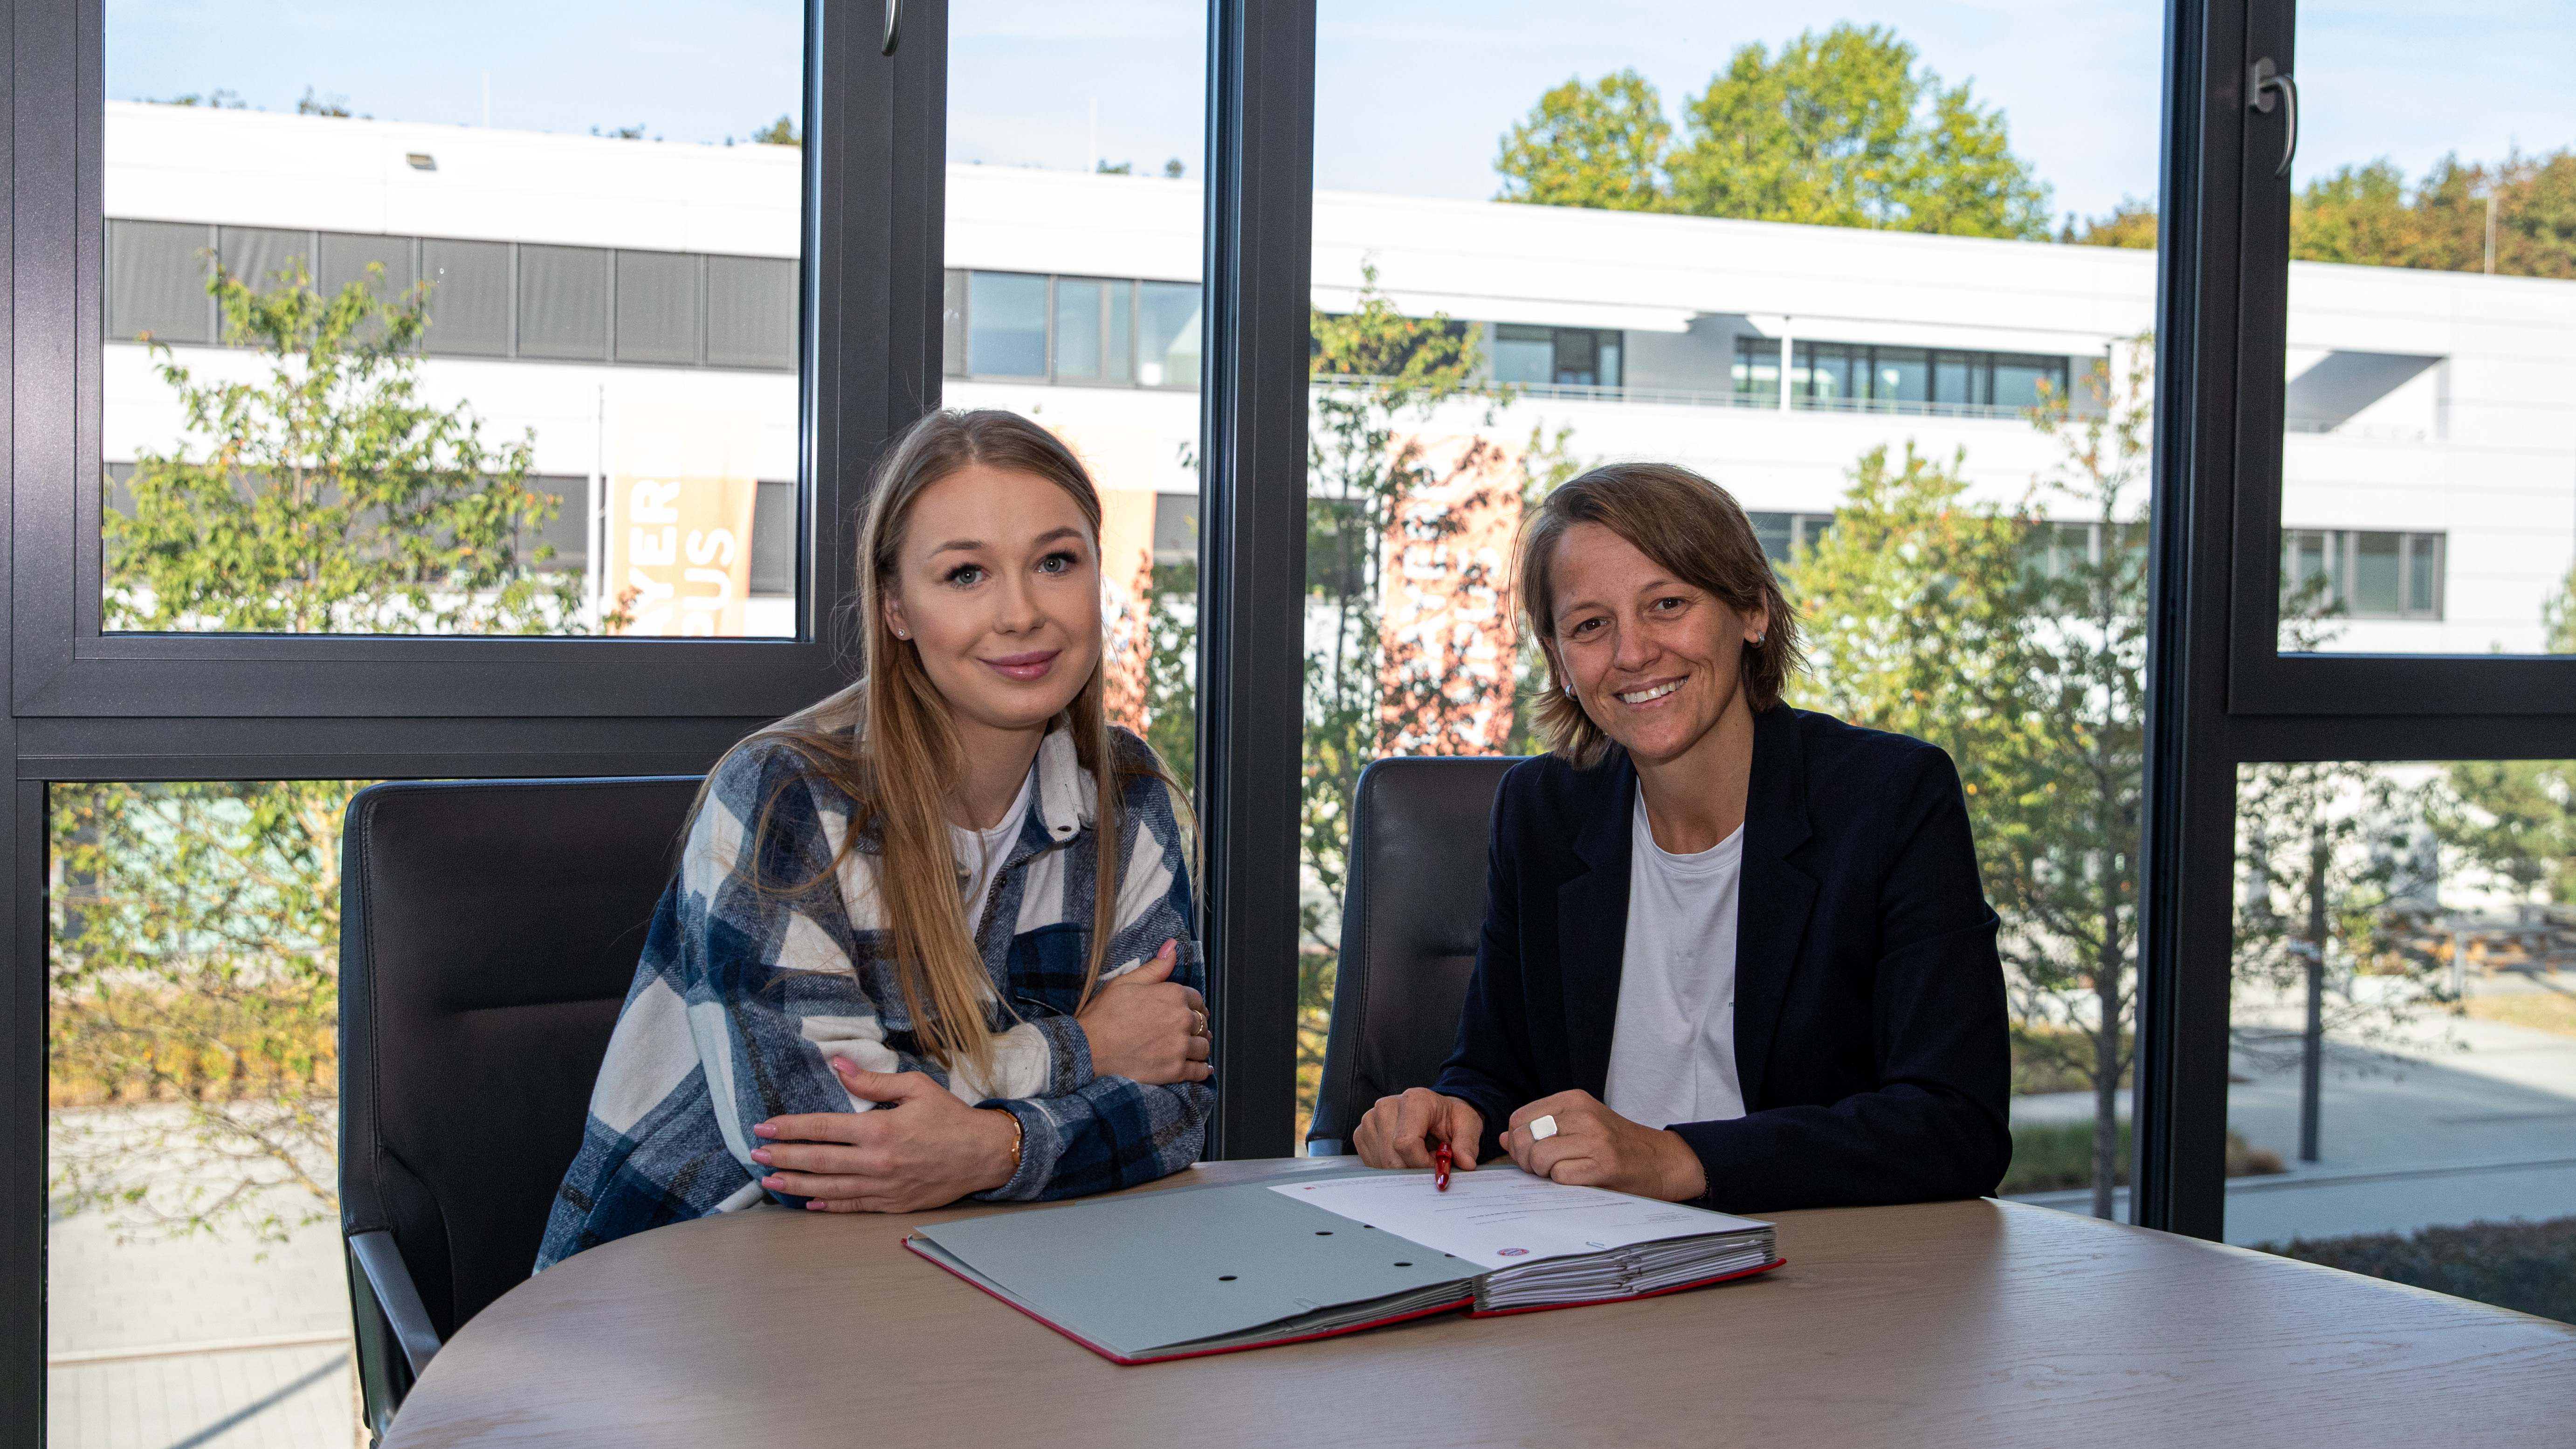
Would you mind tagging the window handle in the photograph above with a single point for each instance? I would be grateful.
(2266, 79)
(894, 26)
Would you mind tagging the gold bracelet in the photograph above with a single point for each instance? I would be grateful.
(1019, 1136)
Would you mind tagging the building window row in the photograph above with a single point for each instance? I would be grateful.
(1091, 331)
(1784, 536)
(2361, 574)
(487, 299)
(1859, 377)
(1556, 356)
(773, 526)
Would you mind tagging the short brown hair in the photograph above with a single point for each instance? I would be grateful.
(1688, 525)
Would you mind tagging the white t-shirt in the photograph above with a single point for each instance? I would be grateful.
(981, 852)
(1672, 1052)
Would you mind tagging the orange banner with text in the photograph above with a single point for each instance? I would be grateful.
(680, 496)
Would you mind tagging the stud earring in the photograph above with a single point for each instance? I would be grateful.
(1569, 691)
(1758, 638)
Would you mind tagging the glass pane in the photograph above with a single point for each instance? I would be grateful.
(1168, 334)
(1757, 370)
(2374, 589)
(1006, 324)
(548, 261)
(660, 307)
(1077, 328)
(1073, 136)
(2431, 344)
(195, 1287)
(1667, 185)
(1525, 354)
(2403, 1034)
(2020, 381)
(2423, 574)
(1122, 331)
(1903, 378)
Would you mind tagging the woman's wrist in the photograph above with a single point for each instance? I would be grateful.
(1684, 1175)
(1006, 1141)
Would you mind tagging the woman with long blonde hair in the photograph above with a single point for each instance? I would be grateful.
(932, 936)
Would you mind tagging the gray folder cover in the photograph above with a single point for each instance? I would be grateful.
(1137, 1275)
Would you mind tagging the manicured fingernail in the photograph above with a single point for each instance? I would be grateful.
(763, 1129)
(760, 1155)
(845, 1066)
(813, 1205)
(773, 1181)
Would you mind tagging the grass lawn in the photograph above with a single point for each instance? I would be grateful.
(2538, 1010)
(2058, 1157)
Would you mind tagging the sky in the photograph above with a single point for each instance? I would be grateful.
(1412, 97)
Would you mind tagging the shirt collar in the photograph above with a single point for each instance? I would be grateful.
(1067, 797)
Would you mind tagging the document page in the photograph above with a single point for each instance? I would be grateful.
(1502, 1217)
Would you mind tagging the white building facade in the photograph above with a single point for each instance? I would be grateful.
(2430, 470)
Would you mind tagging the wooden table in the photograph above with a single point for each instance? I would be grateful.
(1979, 1323)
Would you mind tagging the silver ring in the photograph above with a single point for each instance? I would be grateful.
(1542, 1128)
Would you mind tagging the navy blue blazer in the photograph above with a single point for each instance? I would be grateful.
(1869, 1001)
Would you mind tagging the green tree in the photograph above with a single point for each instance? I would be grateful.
(781, 132)
(2515, 819)
(1378, 376)
(194, 928)
(326, 495)
(1601, 145)
(193, 977)
(1845, 128)
(1911, 558)
(2369, 216)
(1171, 670)
(2016, 643)
(2558, 617)
(2131, 224)
(2061, 838)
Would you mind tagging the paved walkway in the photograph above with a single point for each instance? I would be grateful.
(196, 1343)
(2452, 1121)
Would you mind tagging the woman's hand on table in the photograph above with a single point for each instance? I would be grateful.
(1404, 1130)
(1596, 1147)
(922, 1147)
(1148, 1028)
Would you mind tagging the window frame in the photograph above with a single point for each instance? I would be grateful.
(66, 667)
(2220, 693)
(85, 705)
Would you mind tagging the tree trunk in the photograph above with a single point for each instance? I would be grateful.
(2312, 1045)
(2106, 1066)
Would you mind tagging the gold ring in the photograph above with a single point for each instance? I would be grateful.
(1198, 1023)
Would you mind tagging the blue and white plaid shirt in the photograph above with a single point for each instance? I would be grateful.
(746, 992)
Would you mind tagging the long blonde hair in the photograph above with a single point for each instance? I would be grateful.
(887, 741)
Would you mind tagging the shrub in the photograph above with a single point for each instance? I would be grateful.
(2058, 1157)
(2525, 1266)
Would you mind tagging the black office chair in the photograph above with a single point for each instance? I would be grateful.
(1412, 906)
(488, 932)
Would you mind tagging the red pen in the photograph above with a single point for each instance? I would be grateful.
(1440, 1161)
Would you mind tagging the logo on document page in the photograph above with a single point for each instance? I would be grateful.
(1511, 1252)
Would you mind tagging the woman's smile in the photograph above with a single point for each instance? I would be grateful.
(1024, 668)
(1648, 694)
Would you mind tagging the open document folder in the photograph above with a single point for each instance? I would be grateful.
(1210, 1269)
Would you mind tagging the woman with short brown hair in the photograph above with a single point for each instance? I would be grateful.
(1734, 952)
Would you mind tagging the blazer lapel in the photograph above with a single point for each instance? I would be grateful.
(1592, 926)
(1774, 898)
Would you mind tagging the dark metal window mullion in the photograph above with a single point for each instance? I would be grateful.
(1252, 400)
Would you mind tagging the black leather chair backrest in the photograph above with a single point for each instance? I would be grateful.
(1412, 906)
(489, 930)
